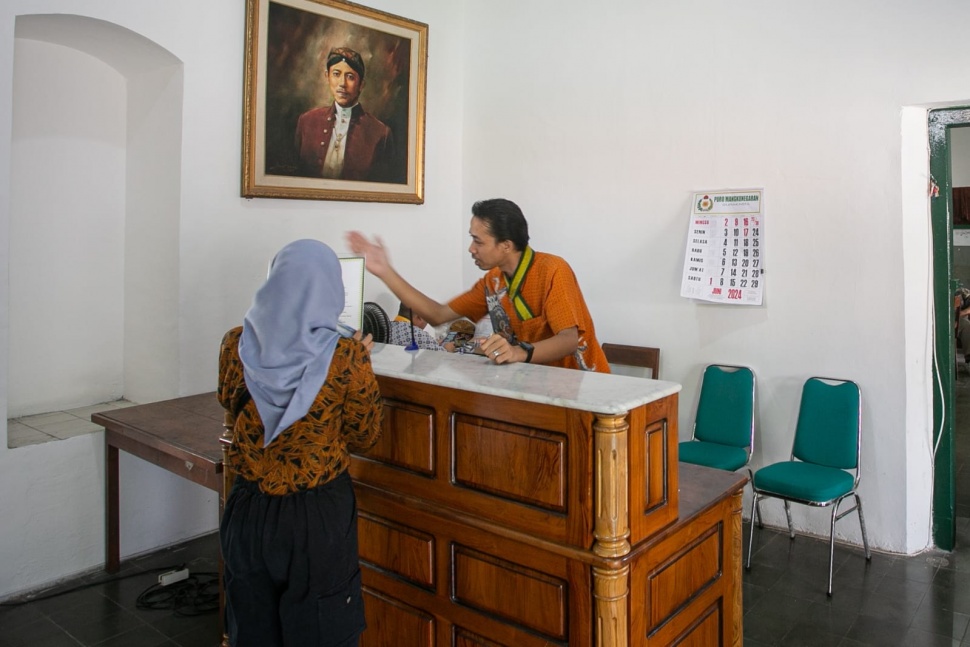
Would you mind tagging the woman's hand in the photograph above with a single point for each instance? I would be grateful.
(367, 341)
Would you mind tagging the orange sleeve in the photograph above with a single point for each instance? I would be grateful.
(471, 304)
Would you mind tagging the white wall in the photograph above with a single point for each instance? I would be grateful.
(53, 505)
(66, 230)
(599, 123)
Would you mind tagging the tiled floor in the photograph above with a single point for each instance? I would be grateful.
(923, 600)
(56, 425)
(107, 614)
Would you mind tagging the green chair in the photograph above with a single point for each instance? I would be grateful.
(723, 435)
(824, 466)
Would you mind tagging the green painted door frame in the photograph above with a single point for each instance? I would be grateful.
(939, 123)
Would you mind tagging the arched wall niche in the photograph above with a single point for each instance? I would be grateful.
(94, 218)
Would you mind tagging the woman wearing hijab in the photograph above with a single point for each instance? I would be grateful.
(303, 397)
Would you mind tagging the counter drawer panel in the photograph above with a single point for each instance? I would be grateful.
(705, 632)
(393, 622)
(684, 576)
(461, 637)
(398, 549)
(407, 438)
(520, 595)
(522, 464)
(657, 478)
(465, 638)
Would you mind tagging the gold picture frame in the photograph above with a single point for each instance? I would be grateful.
(299, 139)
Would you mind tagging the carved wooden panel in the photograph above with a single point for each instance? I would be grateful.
(407, 439)
(550, 458)
(689, 572)
(464, 638)
(510, 591)
(505, 523)
(684, 575)
(495, 587)
(653, 467)
(705, 632)
(398, 549)
(656, 445)
(388, 620)
(515, 462)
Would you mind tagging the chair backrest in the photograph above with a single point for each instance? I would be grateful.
(635, 361)
(726, 406)
(376, 322)
(829, 430)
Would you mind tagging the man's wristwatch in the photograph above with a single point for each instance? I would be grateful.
(528, 348)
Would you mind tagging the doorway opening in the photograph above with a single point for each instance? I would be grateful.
(95, 162)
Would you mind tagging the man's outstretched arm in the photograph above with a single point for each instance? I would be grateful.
(378, 264)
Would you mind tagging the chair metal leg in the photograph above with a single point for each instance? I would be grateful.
(791, 529)
(754, 507)
(835, 512)
(862, 524)
(757, 506)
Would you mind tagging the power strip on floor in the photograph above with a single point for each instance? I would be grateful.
(171, 577)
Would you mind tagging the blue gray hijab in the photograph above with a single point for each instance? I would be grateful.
(290, 333)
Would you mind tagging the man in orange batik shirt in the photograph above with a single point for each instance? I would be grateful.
(537, 308)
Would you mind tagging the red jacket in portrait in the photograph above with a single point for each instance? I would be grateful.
(369, 154)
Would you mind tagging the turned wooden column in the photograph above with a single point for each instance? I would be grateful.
(611, 483)
(611, 586)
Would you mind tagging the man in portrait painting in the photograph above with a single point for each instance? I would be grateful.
(341, 140)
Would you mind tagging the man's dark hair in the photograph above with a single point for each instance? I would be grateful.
(404, 311)
(504, 220)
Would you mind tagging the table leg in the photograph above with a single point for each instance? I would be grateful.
(112, 558)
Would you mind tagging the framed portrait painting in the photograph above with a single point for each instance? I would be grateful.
(334, 102)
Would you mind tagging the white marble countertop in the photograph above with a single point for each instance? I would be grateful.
(595, 392)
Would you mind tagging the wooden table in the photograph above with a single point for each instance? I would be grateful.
(180, 435)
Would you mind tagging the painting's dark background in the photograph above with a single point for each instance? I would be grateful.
(296, 56)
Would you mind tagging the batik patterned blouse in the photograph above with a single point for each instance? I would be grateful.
(346, 416)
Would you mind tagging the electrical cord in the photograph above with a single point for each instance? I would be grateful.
(196, 595)
(931, 304)
(29, 598)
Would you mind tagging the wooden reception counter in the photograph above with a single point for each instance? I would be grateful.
(507, 506)
(519, 506)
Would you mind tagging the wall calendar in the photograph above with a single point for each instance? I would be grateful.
(724, 262)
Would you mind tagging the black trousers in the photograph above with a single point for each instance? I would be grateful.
(292, 577)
